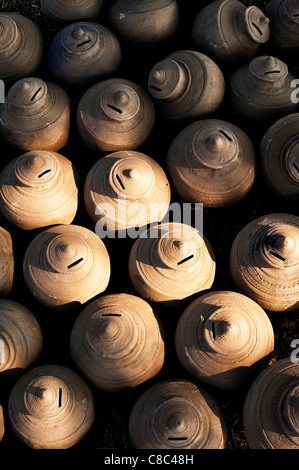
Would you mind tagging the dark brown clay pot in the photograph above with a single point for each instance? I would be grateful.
(212, 162)
(145, 23)
(264, 261)
(279, 153)
(65, 266)
(36, 115)
(271, 412)
(37, 189)
(68, 11)
(2, 426)
(176, 263)
(260, 92)
(83, 53)
(115, 114)
(177, 414)
(7, 263)
(50, 407)
(20, 338)
(126, 189)
(229, 32)
(116, 342)
(284, 21)
(223, 338)
(186, 84)
(21, 47)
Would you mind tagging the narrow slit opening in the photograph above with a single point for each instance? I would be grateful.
(271, 71)
(295, 14)
(277, 255)
(296, 166)
(60, 397)
(257, 28)
(213, 330)
(35, 94)
(44, 173)
(226, 135)
(185, 260)
(111, 315)
(75, 263)
(178, 438)
(120, 182)
(155, 88)
(119, 111)
(83, 43)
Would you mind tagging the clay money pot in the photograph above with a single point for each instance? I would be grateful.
(223, 338)
(212, 162)
(279, 156)
(83, 53)
(229, 32)
(260, 92)
(50, 407)
(175, 263)
(21, 47)
(186, 84)
(177, 414)
(2, 426)
(68, 11)
(65, 266)
(271, 412)
(115, 114)
(126, 190)
(7, 263)
(284, 20)
(145, 23)
(37, 189)
(116, 342)
(36, 115)
(264, 261)
(20, 338)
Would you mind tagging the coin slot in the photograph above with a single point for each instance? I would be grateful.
(120, 182)
(213, 331)
(257, 28)
(277, 255)
(35, 94)
(295, 164)
(178, 438)
(75, 263)
(59, 397)
(226, 135)
(111, 315)
(155, 88)
(44, 173)
(271, 71)
(83, 43)
(119, 111)
(185, 260)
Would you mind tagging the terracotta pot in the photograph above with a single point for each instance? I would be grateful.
(186, 84)
(177, 414)
(20, 338)
(223, 338)
(229, 32)
(21, 47)
(260, 92)
(116, 342)
(68, 11)
(36, 115)
(126, 190)
(175, 263)
(264, 261)
(145, 23)
(115, 114)
(2, 426)
(284, 18)
(270, 415)
(65, 266)
(83, 53)
(280, 157)
(212, 162)
(50, 407)
(37, 189)
(7, 262)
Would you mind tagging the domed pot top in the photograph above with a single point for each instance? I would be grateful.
(7, 262)
(67, 11)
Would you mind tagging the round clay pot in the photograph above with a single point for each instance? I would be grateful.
(83, 53)
(126, 190)
(186, 84)
(145, 23)
(36, 115)
(177, 414)
(229, 32)
(260, 92)
(264, 261)
(223, 338)
(21, 47)
(50, 407)
(212, 162)
(284, 21)
(7, 263)
(37, 189)
(65, 266)
(67, 11)
(271, 412)
(280, 157)
(116, 342)
(175, 263)
(2, 426)
(20, 338)
(115, 114)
